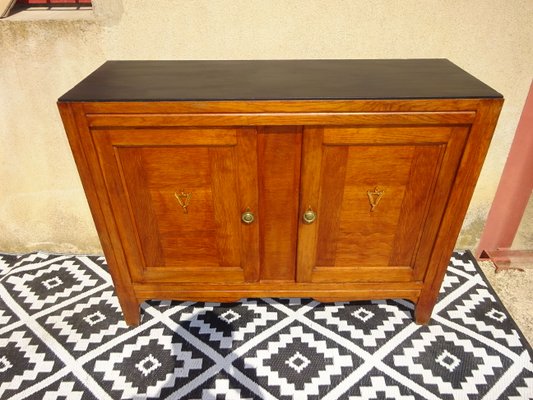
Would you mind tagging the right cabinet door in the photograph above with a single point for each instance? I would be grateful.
(378, 192)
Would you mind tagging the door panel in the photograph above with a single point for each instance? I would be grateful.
(362, 234)
(179, 198)
(371, 188)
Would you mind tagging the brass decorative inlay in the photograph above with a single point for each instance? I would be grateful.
(184, 199)
(374, 197)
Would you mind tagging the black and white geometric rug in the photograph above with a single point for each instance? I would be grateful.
(62, 337)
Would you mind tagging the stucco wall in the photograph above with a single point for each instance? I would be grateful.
(42, 205)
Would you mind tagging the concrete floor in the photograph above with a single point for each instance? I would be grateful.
(514, 289)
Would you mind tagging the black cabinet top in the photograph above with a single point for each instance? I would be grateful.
(278, 80)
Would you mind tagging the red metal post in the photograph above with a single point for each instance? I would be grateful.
(514, 189)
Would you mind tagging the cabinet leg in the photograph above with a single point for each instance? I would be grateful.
(422, 314)
(131, 312)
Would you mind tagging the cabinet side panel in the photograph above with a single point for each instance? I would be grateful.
(73, 117)
(463, 188)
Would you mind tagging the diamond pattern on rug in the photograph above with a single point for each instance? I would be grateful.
(221, 387)
(65, 388)
(375, 386)
(62, 336)
(149, 365)
(6, 263)
(6, 316)
(479, 311)
(33, 258)
(463, 260)
(88, 324)
(369, 324)
(224, 326)
(37, 289)
(458, 366)
(24, 359)
(297, 363)
(521, 388)
(451, 282)
(153, 308)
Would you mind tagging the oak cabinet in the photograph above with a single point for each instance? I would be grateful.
(337, 180)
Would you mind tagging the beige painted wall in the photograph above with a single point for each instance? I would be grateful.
(42, 205)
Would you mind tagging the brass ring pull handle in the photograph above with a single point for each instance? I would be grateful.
(247, 217)
(309, 216)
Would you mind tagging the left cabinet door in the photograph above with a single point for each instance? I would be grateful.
(178, 196)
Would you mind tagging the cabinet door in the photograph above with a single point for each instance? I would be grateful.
(378, 193)
(178, 196)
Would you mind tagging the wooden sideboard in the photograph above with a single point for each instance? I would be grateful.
(331, 179)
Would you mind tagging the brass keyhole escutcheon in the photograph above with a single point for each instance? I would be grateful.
(309, 216)
(183, 199)
(374, 197)
(247, 217)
